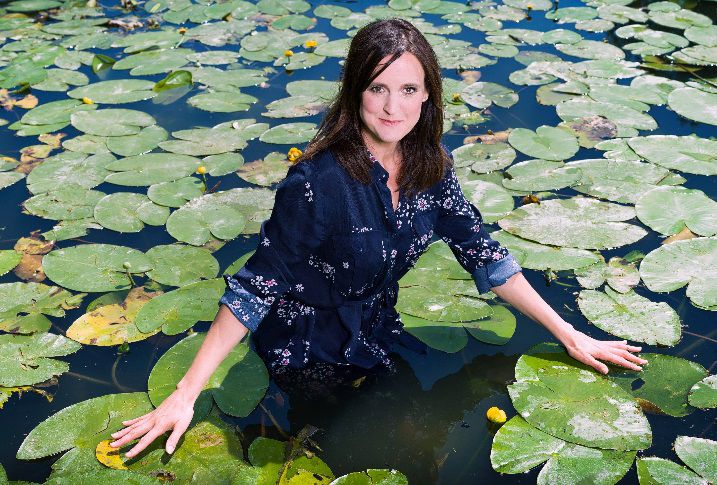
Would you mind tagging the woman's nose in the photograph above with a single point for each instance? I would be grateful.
(391, 104)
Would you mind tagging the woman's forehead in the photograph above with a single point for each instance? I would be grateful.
(405, 69)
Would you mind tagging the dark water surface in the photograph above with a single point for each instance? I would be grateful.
(427, 420)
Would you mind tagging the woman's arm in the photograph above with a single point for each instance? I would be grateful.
(176, 411)
(518, 292)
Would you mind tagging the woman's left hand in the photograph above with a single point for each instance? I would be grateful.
(588, 350)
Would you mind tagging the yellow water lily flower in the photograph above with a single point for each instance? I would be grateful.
(496, 415)
(310, 44)
(87, 101)
(288, 53)
(201, 170)
(182, 30)
(294, 154)
(529, 6)
(456, 97)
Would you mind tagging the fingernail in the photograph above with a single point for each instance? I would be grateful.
(113, 444)
(170, 450)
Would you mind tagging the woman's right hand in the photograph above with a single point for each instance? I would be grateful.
(173, 413)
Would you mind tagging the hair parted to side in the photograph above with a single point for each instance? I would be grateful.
(423, 159)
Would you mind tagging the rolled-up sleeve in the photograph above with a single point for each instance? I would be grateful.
(460, 225)
(296, 227)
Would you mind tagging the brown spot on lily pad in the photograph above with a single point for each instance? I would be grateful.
(591, 130)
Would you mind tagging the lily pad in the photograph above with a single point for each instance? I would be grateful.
(176, 193)
(222, 101)
(482, 94)
(688, 208)
(110, 319)
(131, 145)
(692, 262)
(23, 306)
(117, 91)
(178, 310)
(626, 118)
(659, 471)
(150, 169)
(69, 169)
(518, 447)
(266, 172)
(664, 383)
(55, 112)
(546, 142)
(83, 425)
(205, 141)
(532, 255)
(577, 405)
(129, 212)
(620, 180)
(237, 386)
(223, 164)
(8, 260)
(111, 122)
(699, 454)
(289, 133)
(154, 61)
(483, 157)
(631, 316)
(578, 222)
(704, 394)
(372, 477)
(94, 267)
(540, 175)
(68, 203)
(492, 200)
(179, 265)
(694, 104)
(689, 154)
(27, 359)
(620, 274)
(9, 178)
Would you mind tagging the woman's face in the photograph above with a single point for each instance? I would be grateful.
(391, 105)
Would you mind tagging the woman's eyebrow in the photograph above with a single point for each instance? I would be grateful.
(408, 84)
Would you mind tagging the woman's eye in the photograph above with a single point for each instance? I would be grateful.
(375, 89)
(410, 89)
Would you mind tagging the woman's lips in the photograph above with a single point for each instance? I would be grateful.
(389, 122)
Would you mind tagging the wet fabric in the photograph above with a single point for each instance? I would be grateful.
(323, 282)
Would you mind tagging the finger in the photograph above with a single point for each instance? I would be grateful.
(594, 363)
(621, 361)
(132, 435)
(124, 431)
(622, 344)
(177, 433)
(132, 421)
(145, 441)
(632, 357)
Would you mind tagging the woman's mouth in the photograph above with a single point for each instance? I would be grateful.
(389, 122)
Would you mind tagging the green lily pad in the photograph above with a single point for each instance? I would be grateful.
(70, 229)
(532, 255)
(237, 385)
(295, 107)
(69, 169)
(582, 222)
(372, 477)
(681, 263)
(289, 133)
(518, 447)
(68, 203)
(176, 193)
(484, 158)
(444, 336)
(111, 122)
(631, 316)
(562, 398)
(689, 154)
(626, 118)
(492, 200)
(229, 80)
(703, 395)
(83, 425)
(699, 454)
(55, 112)
(205, 141)
(110, 319)
(652, 470)
(266, 172)
(222, 164)
(621, 275)
(591, 49)
(88, 144)
(23, 306)
(665, 383)
(61, 80)
(694, 104)
(620, 180)
(706, 36)
(689, 208)
(131, 145)
(179, 265)
(546, 142)
(9, 178)
(129, 212)
(209, 452)
(540, 175)
(151, 168)
(482, 94)
(222, 101)
(117, 91)
(154, 61)
(8, 260)
(27, 359)
(426, 303)
(178, 310)
(94, 267)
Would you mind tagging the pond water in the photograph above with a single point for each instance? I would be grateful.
(428, 419)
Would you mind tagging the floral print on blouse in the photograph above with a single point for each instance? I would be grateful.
(323, 282)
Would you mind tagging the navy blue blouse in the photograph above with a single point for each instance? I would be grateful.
(323, 281)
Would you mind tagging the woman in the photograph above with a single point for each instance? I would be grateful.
(349, 220)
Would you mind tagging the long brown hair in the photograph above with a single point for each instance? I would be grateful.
(423, 159)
